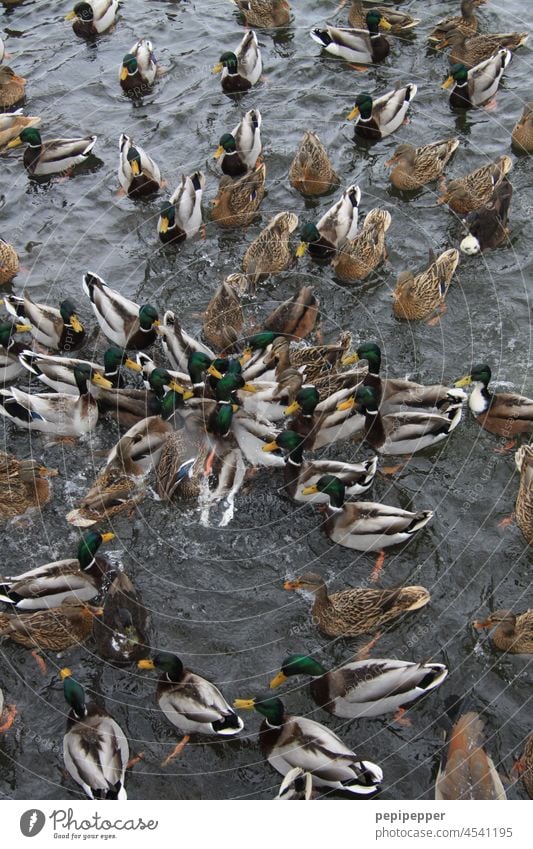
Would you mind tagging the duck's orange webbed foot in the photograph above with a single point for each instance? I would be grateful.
(378, 566)
(177, 750)
(8, 716)
(364, 652)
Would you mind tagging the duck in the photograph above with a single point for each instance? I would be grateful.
(121, 321)
(190, 702)
(133, 405)
(179, 346)
(477, 86)
(239, 150)
(365, 525)
(295, 741)
(359, 256)
(297, 785)
(93, 17)
(241, 69)
(95, 748)
(264, 13)
(320, 422)
(10, 348)
(337, 225)
(522, 134)
(470, 51)
(502, 413)
(59, 414)
(54, 630)
(356, 611)
(55, 156)
(525, 766)
(12, 124)
(364, 688)
(416, 296)
(12, 87)
(510, 632)
(466, 771)
(466, 22)
(487, 226)
(377, 119)
(357, 478)
(473, 191)
(138, 174)
(53, 328)
(58, 372)
(120, 632)
(270, 252)
(223, 318)
(399, 22)
(524, 498)
(24, 485)
(296, 316)
(9, 262)
(413, 167)
(138, 71)
(47, 586)
(311, 361)
(404, 431)
(363, 46)
(311, 172)
(237, 201)
(180, 217)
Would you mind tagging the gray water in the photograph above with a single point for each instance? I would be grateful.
(215, 595)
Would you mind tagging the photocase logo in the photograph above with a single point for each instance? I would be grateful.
(32, 822)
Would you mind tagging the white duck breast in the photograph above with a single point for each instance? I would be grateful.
(62, 415)
(47, 586)
(56, 372)
(249, 62)
(148, 167)
(105, 12)
(195, 704)
(143, 50)
(187, 202)
(178, 344)
(340, 222)
(62, 154)
(247, 137)
(484, 79)
(370, 526)
(112, 310)
(96, 754)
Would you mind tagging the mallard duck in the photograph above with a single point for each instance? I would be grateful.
(49, 585)
(132, 405)
(336, 226)
(54, 156)
(487, 226)
(12, 124)
(476, 86)
(242, 69)
(296, 316)
(312, 361)
(296, 741)
(320, 422)
(364, 688)
(300, 473)
(120, 632)
(362, 46)
(466, 771)
(264, 13)
(179, 347)
(361, 254)
(139, 68)
(138, 174)
(23, 485)
(9, 262)
(357, 611)
(524, 499)
(471, 51)
(311, 172)
(418, 295)
(510, 632)
(223, 318)
(376, 119)
(10, 365)
(181, 217)
(465, 22)
(12, 87)
(93, 17)
(56, 413)
(399, 22)
(270, 252)
(413, 167)
(407, 431)
(237, 201)
(56, 329)
(525, 766)
(58, 372)
(503, 413)
(475, 190)
(55, 630)
(95, 749)
(365, 525)
(239, 150)
(522, 135)
(297, 785)
(122, 321)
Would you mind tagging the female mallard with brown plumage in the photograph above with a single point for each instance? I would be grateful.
(223, 318)
(465, 22)
(502, 413)
(413, 167)
(12, 87)
(238, 201)
(471, 51)
(264, 13)
(55, 630)
(359, 256)
(466, 770)
(524, 499)
(417, 296)
(468, 193)
(9, 262)
(487, 226)
(23, 485)
(522, 135)
(524, 766)
(311, 172)
(350, 613)
(270, 252)
(510, 632)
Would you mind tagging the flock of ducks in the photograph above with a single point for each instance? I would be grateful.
(243, 396)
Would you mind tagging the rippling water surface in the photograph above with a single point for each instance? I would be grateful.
(216, 595)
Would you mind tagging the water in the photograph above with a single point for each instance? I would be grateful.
(216, 595)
